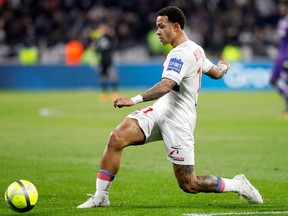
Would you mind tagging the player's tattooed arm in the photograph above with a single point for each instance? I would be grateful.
(155, 92)
(158, 90)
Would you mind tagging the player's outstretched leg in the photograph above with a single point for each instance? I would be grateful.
(190, 183)
(241, 186)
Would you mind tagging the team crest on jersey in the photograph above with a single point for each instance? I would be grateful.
(175, 65)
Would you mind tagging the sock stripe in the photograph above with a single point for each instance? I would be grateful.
(221, 185)
(105, 175)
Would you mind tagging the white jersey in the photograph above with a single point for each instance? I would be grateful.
(173, 117)
(184, 64)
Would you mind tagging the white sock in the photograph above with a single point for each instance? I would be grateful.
(231, 185)
(103, 181)
(102, 186)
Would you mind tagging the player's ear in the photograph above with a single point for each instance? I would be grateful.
(177, 26)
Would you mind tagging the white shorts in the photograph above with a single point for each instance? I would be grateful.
(178, 138)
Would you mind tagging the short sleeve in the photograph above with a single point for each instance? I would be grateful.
(175, 66)
(207, 64)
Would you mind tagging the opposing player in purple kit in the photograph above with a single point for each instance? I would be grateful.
(279, 78)
(171, 118)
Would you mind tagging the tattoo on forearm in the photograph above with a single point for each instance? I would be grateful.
(154, 93)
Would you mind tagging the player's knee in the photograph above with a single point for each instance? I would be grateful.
(116, 141)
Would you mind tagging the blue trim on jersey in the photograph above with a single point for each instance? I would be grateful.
(176, 88)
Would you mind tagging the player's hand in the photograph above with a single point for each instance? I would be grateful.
(222, 62)
(123, 102)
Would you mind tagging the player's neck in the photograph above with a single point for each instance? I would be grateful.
(181, 38)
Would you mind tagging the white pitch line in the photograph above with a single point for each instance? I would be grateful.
(240, 213)
(75, 112)
(47, 111)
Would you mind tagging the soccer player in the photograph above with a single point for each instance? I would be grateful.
(171, 118)
(279, 78)
(105, 45)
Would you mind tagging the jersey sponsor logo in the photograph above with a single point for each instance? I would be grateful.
(175, 65)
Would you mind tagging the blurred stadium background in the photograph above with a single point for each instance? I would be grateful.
(55, 139)
(52, 40)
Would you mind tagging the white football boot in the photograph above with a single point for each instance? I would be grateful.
(99, 200)
(247, 190)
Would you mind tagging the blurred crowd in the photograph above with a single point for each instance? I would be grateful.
(48, 25)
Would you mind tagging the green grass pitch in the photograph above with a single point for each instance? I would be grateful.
(55, 140)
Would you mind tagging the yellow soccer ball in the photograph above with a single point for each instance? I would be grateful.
(21, 196)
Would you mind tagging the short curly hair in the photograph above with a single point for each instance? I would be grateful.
(174, 14)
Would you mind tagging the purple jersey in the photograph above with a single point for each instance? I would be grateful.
(283, 36)
(282, 30)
